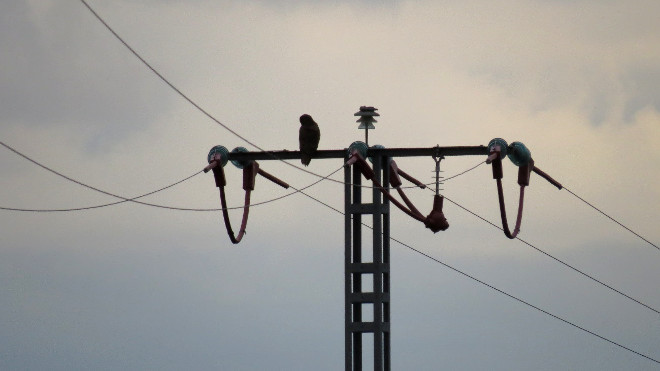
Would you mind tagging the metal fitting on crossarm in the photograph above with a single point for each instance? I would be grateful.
(497, 149)
(361, 163)
(524, 173)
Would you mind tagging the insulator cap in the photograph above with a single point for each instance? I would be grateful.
(498, 142)
(377, 146)
(240, 163)
(519, 154)
(367, 111)
(224, 153)
(361, 147)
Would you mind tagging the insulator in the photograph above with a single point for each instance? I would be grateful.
(378, 146)
(367, 115)
(240, 163)
(224, 153)
(519, 154)
(366, 123)
(438, 177)
(361, 147)
(498, 142)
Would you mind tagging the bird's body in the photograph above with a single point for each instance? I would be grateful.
(308, 136)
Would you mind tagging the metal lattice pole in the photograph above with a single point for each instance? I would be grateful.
(378, 268)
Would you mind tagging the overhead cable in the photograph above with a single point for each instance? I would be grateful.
(612, 219)
(183, 95)
(473, 278)
(134, 199)
(557, 259)
(210, 116)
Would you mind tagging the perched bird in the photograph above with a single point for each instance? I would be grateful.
(309, 136)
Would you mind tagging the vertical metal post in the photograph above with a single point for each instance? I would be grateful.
(379, 268)
(387, 364)
(352, 260)
(356, 274)
(348, 235)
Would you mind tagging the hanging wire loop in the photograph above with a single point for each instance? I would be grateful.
(495, 158)
(249, 179)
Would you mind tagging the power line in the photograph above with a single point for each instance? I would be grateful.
(493, 287)
(184, 96)
(213, 118)
(102, 205)
(123, 199)
(557, 259)
(612, 219)
(200, 108)
(134, 199)
(247, 141)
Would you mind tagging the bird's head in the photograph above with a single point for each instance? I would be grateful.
(306, 120)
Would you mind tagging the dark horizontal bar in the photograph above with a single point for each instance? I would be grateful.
(369, 297)
(367, 327)
(431, 151)
(341, 153)
(285, 155)
(368, 209)
(368, 267)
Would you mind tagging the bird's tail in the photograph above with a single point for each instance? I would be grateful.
(305, 159)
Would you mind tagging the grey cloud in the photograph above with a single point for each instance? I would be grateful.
(643, 87)
(72, 74)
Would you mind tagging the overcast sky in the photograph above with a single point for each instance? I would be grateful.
(135, 287)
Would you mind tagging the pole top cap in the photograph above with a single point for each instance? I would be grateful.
(367, 111)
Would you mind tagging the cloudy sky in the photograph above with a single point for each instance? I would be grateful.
(136, 287)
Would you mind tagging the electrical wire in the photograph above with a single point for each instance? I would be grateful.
(457, 175)
(197, 106)
(102, 205)
(323, 178)
(184, 96)
(491, 286)
(134, 199)
(505, 228)
(123, 199)
(557, 259)
(214, 119)
(365, 186)
(611, 218)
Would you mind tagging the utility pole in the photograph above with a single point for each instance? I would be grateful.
(378, 269)
(357, 267)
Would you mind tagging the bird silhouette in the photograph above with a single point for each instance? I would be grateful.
(308, 136)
